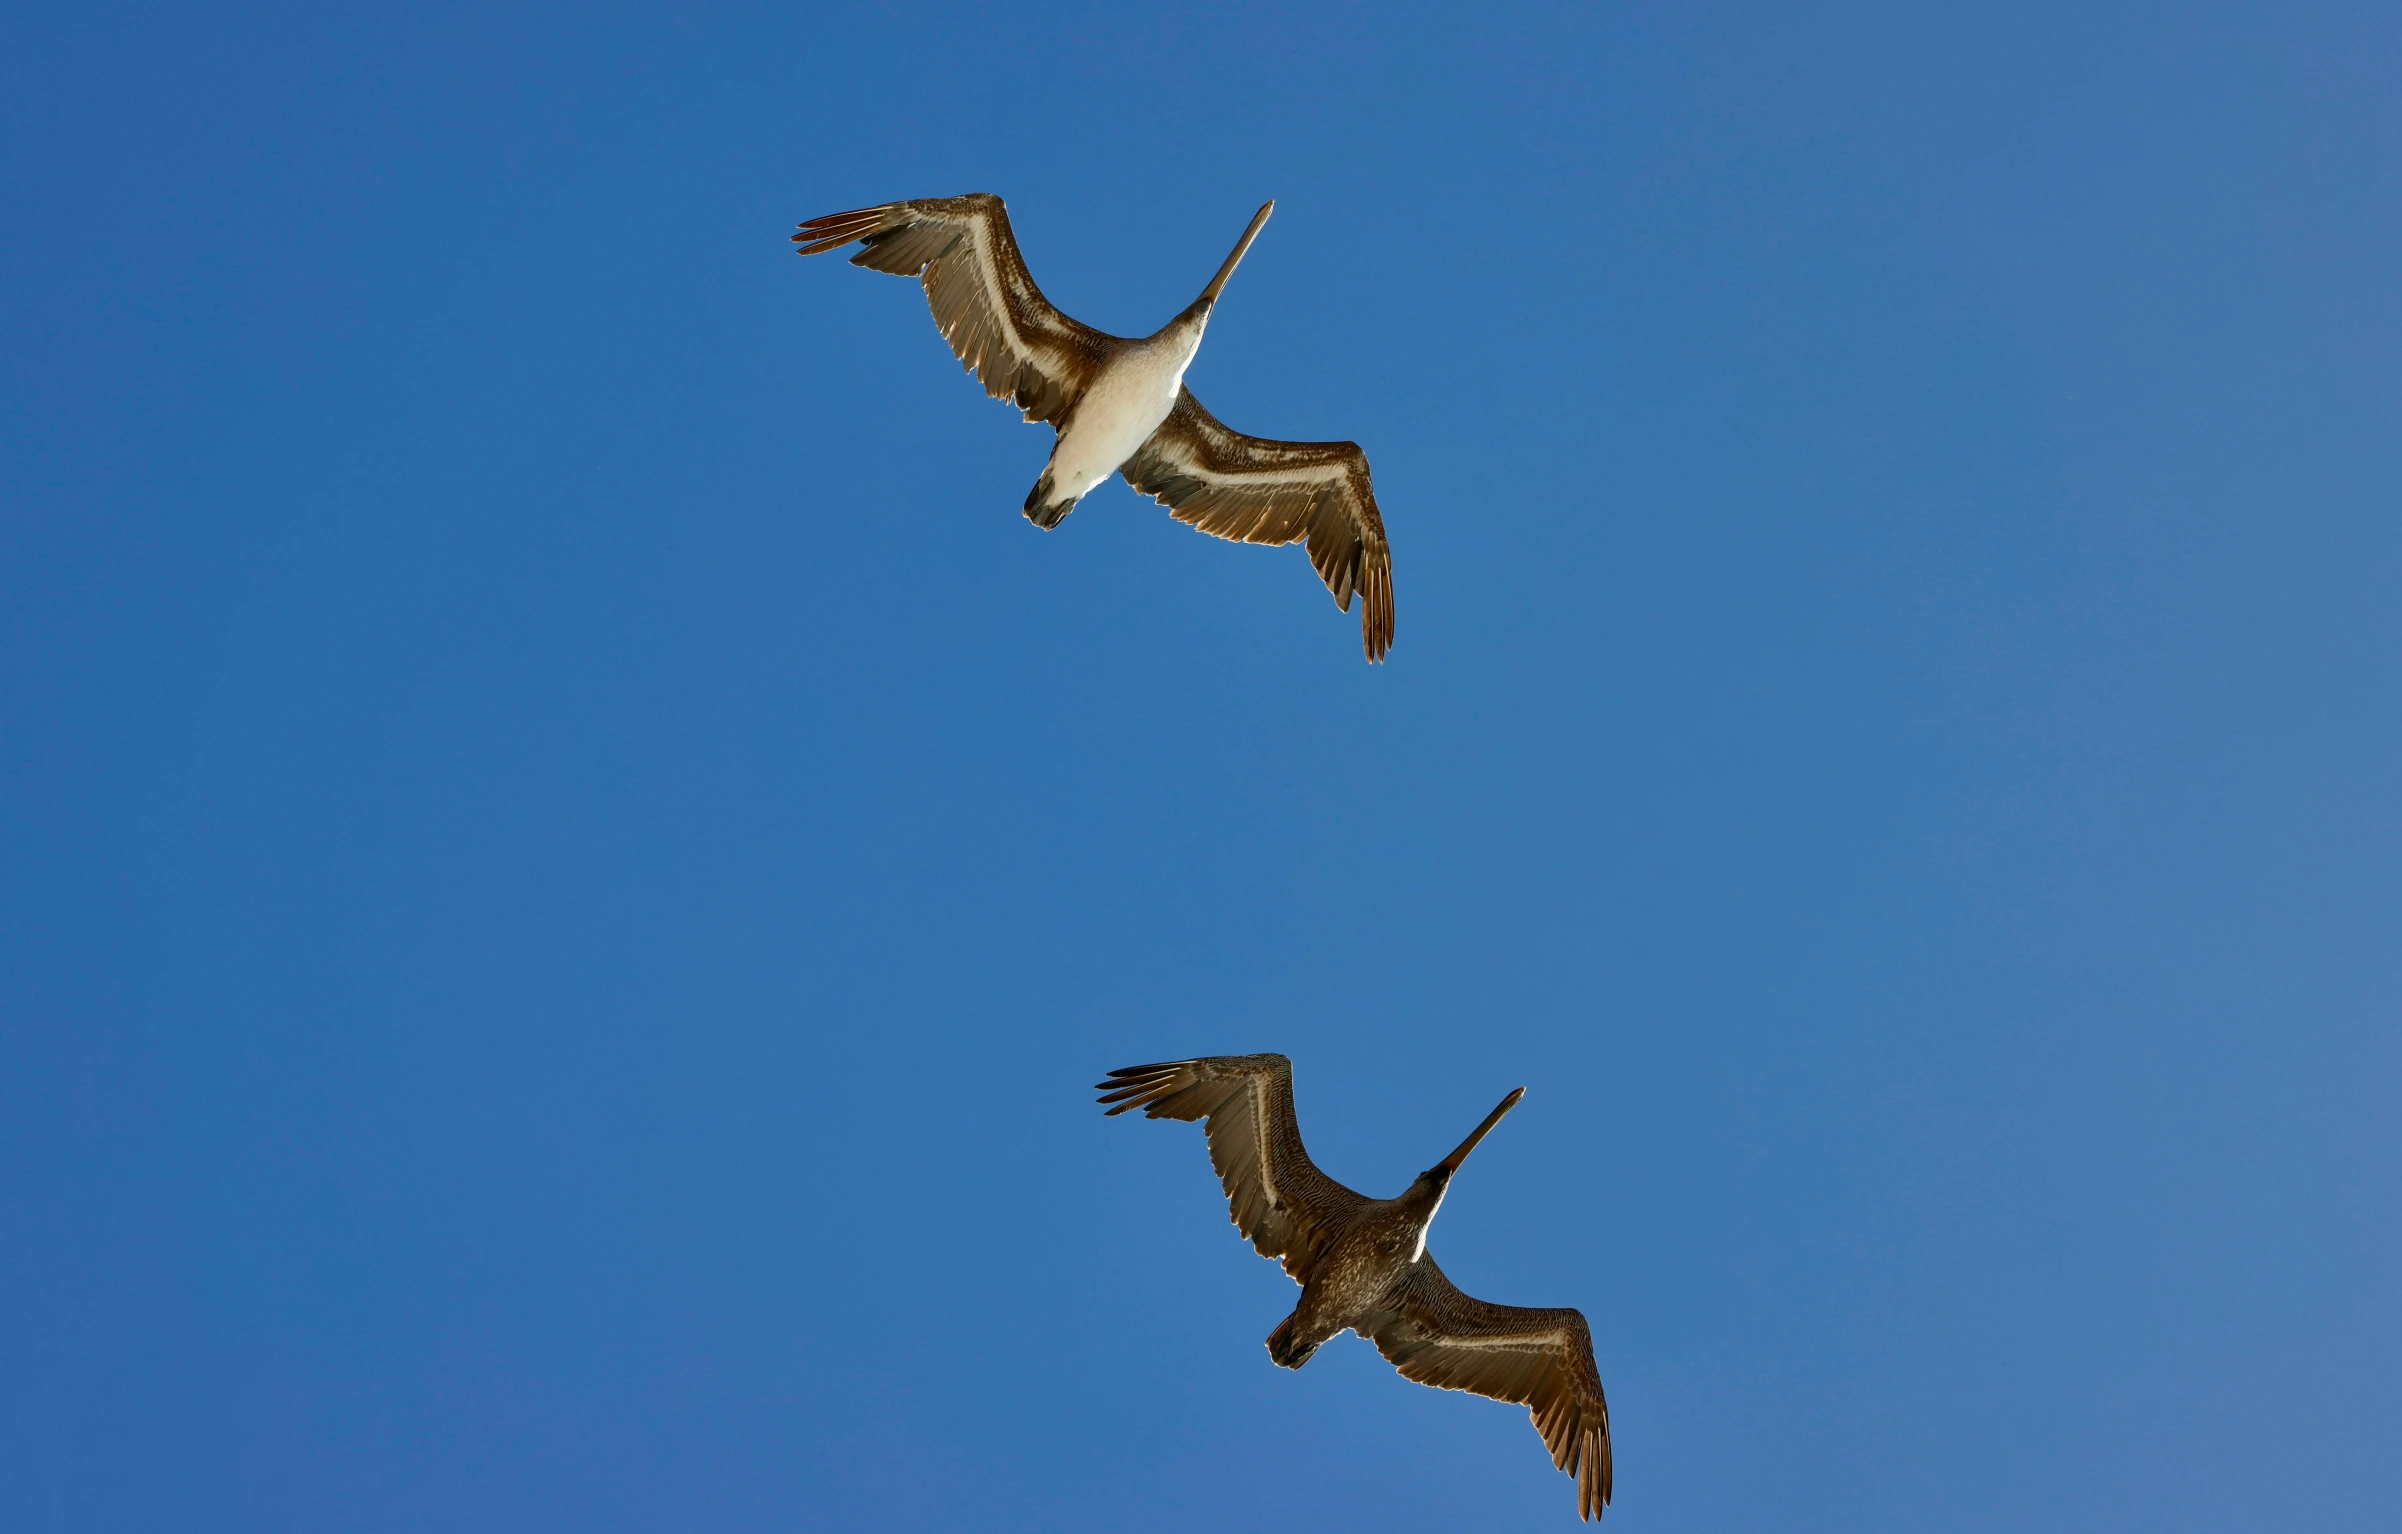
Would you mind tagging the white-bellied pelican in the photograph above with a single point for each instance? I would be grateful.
(1120, 404)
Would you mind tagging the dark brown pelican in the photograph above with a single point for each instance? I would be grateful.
(1362, 1263)
(1120, 405)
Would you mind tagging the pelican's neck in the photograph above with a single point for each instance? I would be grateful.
(1182, 335)
(1424, 1201)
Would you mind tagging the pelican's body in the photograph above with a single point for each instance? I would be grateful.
(1119, 403)
(1363, 1266)
(1130, 395)
(1363, 1263)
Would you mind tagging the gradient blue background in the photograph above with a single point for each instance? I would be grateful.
(566, 857)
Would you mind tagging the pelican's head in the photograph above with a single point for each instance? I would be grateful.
(1209, 295)
(1439, 1175)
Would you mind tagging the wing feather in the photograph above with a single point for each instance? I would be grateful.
(1258, 490)
(1016, 342)
(1539, 1359)
(1279, 1199)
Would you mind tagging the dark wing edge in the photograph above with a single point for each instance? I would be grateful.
(1277, 1196)
(1539, 1359)
(1017, 343)
(1257, 490)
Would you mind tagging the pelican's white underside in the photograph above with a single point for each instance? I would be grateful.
(1127, 400)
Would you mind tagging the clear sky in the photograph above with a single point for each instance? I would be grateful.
(567, 858)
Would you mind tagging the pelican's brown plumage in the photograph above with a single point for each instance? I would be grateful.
(1363, 1266)
(1119, 404)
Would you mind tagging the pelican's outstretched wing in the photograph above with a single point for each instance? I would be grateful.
(1020, 346)
(1279, 1198)
(1540, 1359)
(1255, 490)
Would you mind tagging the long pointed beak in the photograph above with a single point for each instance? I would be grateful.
(1456, 1157)
(1209, 295)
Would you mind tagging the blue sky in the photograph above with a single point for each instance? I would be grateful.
(567, 857)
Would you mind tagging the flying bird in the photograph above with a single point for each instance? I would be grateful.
(1119, 404)
(1362, 1262)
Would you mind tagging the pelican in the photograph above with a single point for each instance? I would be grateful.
(1119, 404)
(1363, 1266)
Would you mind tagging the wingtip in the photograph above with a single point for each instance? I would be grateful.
(1137, 1086)
(829, 230)
(1376, 607)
